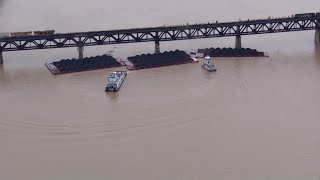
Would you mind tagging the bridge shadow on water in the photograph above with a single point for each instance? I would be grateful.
(1, 4)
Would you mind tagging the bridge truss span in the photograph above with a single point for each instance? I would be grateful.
(158, 34)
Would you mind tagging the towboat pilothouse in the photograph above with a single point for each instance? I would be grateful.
(115, 80)
(208, 64)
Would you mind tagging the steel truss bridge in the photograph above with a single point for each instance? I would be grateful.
(163, 33)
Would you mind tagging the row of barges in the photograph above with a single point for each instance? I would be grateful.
(145, 61)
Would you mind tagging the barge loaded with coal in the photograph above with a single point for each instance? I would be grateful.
(146, 61)
(230, 52)
(85, 64)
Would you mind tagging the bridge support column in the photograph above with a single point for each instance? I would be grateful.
(1, 57)
(317, 36)
(157, 47)
(238, 41)
(80, 50)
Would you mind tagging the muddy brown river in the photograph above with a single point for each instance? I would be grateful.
(255, 118)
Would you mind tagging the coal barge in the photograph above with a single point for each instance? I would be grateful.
(146, 61)
(230, 52)
(86, 64)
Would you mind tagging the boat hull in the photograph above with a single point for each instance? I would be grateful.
(209, 69)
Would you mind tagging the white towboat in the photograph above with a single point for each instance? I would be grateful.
(115, 80)
(208, 64)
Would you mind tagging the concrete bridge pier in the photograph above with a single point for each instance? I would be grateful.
(80, 50)
(1, 57)
(317, 35)
(238, 41)
(157, 47)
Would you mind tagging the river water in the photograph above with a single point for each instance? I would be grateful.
(255, 118)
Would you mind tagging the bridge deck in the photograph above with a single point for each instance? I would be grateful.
(163, 33)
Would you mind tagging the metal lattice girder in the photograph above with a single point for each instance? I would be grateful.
(170, 33)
